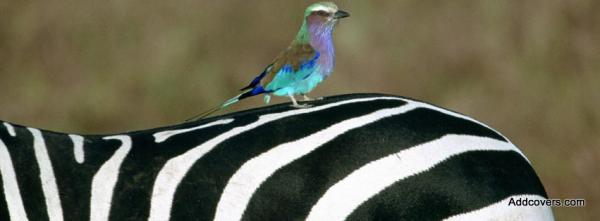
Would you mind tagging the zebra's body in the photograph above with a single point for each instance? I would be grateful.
(358, 157)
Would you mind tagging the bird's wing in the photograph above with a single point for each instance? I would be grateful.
(292, 59)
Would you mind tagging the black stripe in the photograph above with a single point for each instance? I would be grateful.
(463, 183)
(145, 160)
(291, 192)
(28, 175)
(199, 192)
(3, 130)
(74, 180)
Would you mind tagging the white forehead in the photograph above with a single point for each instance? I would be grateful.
(323, 6)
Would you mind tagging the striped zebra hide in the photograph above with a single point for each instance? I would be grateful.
(348, 157)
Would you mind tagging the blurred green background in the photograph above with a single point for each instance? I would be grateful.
(530, 69)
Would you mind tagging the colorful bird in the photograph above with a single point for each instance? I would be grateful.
(303, 65)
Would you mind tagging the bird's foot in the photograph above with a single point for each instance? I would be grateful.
(301, 106)
(307, 98)
(296, 105)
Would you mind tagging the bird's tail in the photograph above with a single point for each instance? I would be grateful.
(245, 93)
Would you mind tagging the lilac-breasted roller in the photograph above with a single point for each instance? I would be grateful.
(303, 65)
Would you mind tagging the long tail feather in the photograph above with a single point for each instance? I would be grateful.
(246, 93)
(203, 114)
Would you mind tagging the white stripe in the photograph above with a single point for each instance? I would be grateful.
(242, 185)
(342, 198)
(10, 185)
(502, 211)
(105, 179)
(175, 169)
(159, 137)
(10, 129)
(47, 177)
(429, 106)
(78, 148)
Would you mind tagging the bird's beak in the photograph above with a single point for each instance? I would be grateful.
(341, 14)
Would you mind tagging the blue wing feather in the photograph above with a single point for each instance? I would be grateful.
(287, 76)
(293, 65)
(257, 79)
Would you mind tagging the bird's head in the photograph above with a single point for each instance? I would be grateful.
(319, 22)
(324, 13)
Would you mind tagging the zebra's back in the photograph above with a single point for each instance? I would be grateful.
(358, 157)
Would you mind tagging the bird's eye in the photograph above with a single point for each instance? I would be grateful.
(322, 13)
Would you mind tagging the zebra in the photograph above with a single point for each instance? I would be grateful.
(348, 157)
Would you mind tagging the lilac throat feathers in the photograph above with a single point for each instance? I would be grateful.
(319, 34)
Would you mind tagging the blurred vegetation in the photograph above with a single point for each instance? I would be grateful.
(530, 69)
